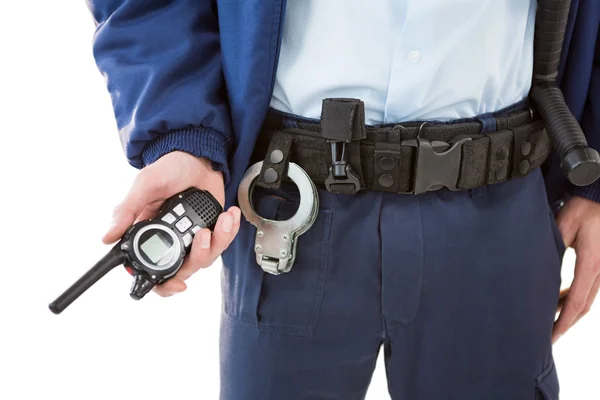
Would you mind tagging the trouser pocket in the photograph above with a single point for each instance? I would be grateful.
(547, 384)
(558, 239)
(284, 304)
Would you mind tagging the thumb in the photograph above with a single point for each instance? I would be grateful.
(143, 192)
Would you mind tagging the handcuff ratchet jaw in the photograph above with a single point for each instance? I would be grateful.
(275, 242)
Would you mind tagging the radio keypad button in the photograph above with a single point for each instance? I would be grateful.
(183, 224)
(169, 218)
(187, 239)
(179, 210)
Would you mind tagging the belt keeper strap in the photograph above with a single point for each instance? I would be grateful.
(521, 151)
(343, 120)
(274, 168)
(386, 166)
(474, 168)
(500, 156)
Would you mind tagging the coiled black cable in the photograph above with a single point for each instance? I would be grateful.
(580, 163)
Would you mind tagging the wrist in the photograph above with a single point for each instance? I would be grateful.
(199, 142)
(200, 168)
(581, 209)
(590, 192)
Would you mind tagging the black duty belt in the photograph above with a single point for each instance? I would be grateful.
(346, 156)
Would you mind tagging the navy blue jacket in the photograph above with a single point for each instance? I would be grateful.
(197, 76)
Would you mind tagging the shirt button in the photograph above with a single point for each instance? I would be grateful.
(414, 56)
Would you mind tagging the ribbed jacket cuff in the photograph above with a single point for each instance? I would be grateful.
(591, 192)
(198, 141)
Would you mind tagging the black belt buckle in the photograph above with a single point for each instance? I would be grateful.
(340, 172)
(438, 164)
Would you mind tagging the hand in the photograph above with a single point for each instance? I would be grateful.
(579, 223)
(171, 174)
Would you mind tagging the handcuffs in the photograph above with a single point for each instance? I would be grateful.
(275, 241)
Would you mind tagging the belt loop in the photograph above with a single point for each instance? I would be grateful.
(343, 125)
(488, 122)
(478, 191)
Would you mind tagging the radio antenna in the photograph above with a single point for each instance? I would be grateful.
(114, 258)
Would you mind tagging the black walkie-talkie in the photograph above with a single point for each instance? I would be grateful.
(154, 250)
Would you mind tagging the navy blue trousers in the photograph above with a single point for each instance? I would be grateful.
(458, 288)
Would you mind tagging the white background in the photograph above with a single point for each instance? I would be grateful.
(62, 171)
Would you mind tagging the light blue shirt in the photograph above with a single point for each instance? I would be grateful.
(406, 59)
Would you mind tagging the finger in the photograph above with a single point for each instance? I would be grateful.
(208, 247)
(200, 255)
(591, 299)
(225, 230)
(561, 299)
(576, 301)
(170, 287)
(149, 212)
(594, 292)
(145, 190)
